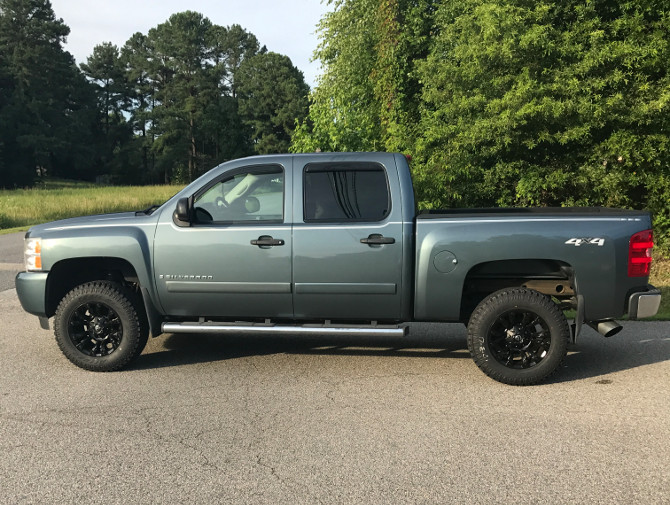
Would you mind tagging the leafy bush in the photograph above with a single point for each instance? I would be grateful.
(504, 102)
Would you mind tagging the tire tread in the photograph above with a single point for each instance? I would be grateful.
(503, 300)
(135, 333)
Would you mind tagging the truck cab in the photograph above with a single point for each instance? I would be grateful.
(291, 237)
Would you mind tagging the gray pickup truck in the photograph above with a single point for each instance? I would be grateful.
(331, 243)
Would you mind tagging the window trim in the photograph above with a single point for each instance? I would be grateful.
(343, 166)
(264, 168)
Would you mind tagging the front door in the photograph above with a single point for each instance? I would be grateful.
(235, 258)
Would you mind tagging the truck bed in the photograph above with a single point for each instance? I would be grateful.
(455, 246)
(527, 212)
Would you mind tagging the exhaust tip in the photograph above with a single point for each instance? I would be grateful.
(607, 328)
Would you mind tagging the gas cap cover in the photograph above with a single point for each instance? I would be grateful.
(445, 262)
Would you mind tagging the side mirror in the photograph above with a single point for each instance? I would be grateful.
(181, 214)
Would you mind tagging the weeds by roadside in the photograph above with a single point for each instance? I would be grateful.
(660, 277)
(63, 199)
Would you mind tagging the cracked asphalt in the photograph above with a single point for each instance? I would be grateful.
(299, 420)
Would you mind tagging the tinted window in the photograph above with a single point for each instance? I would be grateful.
(256, 194)
(346, 192)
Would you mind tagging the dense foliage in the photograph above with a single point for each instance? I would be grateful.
(44, 126)
(167, 106)
(503, 103)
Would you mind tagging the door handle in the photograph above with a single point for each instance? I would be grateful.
(267, 241)
(377, 239)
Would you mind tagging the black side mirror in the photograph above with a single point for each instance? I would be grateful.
(181, 215)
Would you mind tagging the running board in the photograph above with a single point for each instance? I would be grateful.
(272, 329)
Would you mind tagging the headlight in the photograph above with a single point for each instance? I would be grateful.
(32, 254)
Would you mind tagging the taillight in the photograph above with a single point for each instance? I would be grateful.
(639, 253)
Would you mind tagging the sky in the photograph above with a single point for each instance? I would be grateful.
(283, 26)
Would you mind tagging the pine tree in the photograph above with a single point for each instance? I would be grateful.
(272, 94)
(46, 109)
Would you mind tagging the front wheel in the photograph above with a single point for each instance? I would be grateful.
(518, 336)
(98, 328)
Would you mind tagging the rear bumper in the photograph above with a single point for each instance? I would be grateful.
(644, 303)
(31, 290)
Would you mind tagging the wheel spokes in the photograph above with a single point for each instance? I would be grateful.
(95, 329)
(519, 339)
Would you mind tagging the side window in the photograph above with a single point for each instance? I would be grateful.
(255, 194)
(345, 192)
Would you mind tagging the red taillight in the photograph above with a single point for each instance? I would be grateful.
(639, 253)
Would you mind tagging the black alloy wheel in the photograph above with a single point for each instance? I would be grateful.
(100, 326)
(95, 329)
(519, 339)
(518, 336)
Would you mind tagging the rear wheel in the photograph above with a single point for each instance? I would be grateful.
(98, 328)
(518, 336)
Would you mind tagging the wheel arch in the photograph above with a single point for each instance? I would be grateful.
(69, 273)
(548, 276)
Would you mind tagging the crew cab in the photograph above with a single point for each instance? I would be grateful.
(331, 243)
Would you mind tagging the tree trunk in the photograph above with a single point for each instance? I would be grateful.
(192, 153)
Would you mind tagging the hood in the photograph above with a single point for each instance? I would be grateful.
(97, 221)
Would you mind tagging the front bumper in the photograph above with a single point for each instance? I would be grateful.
(644, 303)
(31, 288)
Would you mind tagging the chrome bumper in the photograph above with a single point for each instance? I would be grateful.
(644, 303)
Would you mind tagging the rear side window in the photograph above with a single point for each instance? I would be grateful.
(345, 192)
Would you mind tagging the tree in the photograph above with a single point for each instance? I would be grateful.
(105, 70)
(141, 89)
(549, 103)
(233, 45)
(230, 137)
(368, 95)
(503, 102)
(272, 97)
(7, 85)
(343, 114)
(47, 111)
(191, 65)
(183, 55)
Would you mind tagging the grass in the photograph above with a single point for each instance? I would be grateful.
(660, 277)
(7, 231)
(53, 200)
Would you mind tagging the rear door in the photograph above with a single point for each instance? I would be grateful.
(347, 239)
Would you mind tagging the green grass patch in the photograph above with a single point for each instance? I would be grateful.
(660, 277)
(7, 231)
(57, 199)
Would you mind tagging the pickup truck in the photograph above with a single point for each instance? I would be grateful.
(328, 244)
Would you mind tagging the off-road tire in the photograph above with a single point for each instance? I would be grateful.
(100, 326)
(518, 336)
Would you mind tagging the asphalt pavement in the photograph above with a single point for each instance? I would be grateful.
(11, 258)
(300, 420)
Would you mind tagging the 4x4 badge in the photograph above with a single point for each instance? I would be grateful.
(588, 241)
